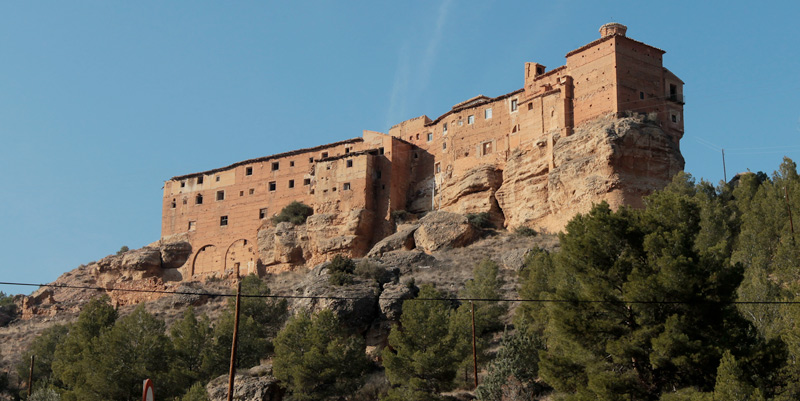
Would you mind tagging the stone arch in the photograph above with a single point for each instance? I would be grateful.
(240, 257)
(205, 260)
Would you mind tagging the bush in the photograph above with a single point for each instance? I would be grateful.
(523, 231)
(480, 220)
(371, 271)
(122, 250)
(399, 215)
(295, 213)
(340, 270)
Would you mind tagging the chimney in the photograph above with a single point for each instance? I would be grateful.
(612, 28)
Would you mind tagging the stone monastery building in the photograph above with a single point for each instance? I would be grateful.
(461, 161)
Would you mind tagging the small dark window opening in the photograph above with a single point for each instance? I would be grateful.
(248, 171)
(416, 155)
(539, 70)
(349, 163)
(220, 195)
(334, 189)
(174, 204)
(444, 145)
(183, 184)
(673, 89)
(223, 220)
(530, 106)
(346, 186)
(674, 118)
(346, 150)
(273, 185)
(378, 174)
(380, 151)
(311, 160)
(324, 154)
(252, 191)
(514, 105)
(383, 186)
(291, 183)
(184, 201)
(262, 213)
(200, 179)
(241, 193)
(307, 181)
(291, 164)
(276, 166)
(641, 95)
(192, 225)
(198, 200)
(217, 178)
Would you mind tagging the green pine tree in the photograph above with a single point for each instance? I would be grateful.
(316, 358)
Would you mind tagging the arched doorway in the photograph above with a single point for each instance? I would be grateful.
(240, 258)
(206, 260)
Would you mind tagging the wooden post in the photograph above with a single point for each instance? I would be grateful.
(232, 371)
(474, 348)
(30, 376)
(724, 170)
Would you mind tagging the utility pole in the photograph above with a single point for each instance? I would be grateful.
(724, 171)
(232, 371)
(474, 348)
(789, 209)
(30, 376)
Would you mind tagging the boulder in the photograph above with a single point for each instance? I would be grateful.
(473, 191)
(142, 259)
(175, 254)
(402, 239)
(355, 304)
(392, 297)
(444, 230)
(245, 388)
(514, 259)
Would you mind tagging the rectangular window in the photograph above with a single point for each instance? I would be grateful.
(192, 225)
(241, 193)
(220, 195)
(514, 105)
(417, 136)
(273, 185)
(248, 171)
(380, 151)
(252, 191)
(349, 163)
(530, 106)
(641, 95)
(307, 181)
(262, 213)
(291, 183)
(291, 163)
(311, 160)
(346, 186)
(217, 178)
(471, 119)
(324, 154)
(430, 136)
(200, 179)
(378, 174)
(486, 148)
(174, 204)
(438, 168)
(444, 128)
(487, 114)
(346, 150)
(198, 200)
(276, 166)
(223, 220)
(183, 184)
(460, 122)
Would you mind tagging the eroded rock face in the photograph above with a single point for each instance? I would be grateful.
(473, 192)
(617, 160)
(443, 230)
(355, 304)
(286, 246)
(392, 297)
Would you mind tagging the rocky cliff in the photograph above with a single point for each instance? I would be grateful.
(618, 160)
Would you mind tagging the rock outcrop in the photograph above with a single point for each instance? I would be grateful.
(286, 246)
(443, 230)
(611, 159)
(250, 386)
(473, 192)
(402, 239)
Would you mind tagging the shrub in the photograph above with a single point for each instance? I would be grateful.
(340, 270)
(480, 220)
(295, 213)
(371, 271)
(122, 250)
(523, 231)
(399, 215)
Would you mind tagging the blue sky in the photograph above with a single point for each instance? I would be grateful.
(100, 101)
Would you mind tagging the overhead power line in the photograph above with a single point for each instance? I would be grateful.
(444, 299)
